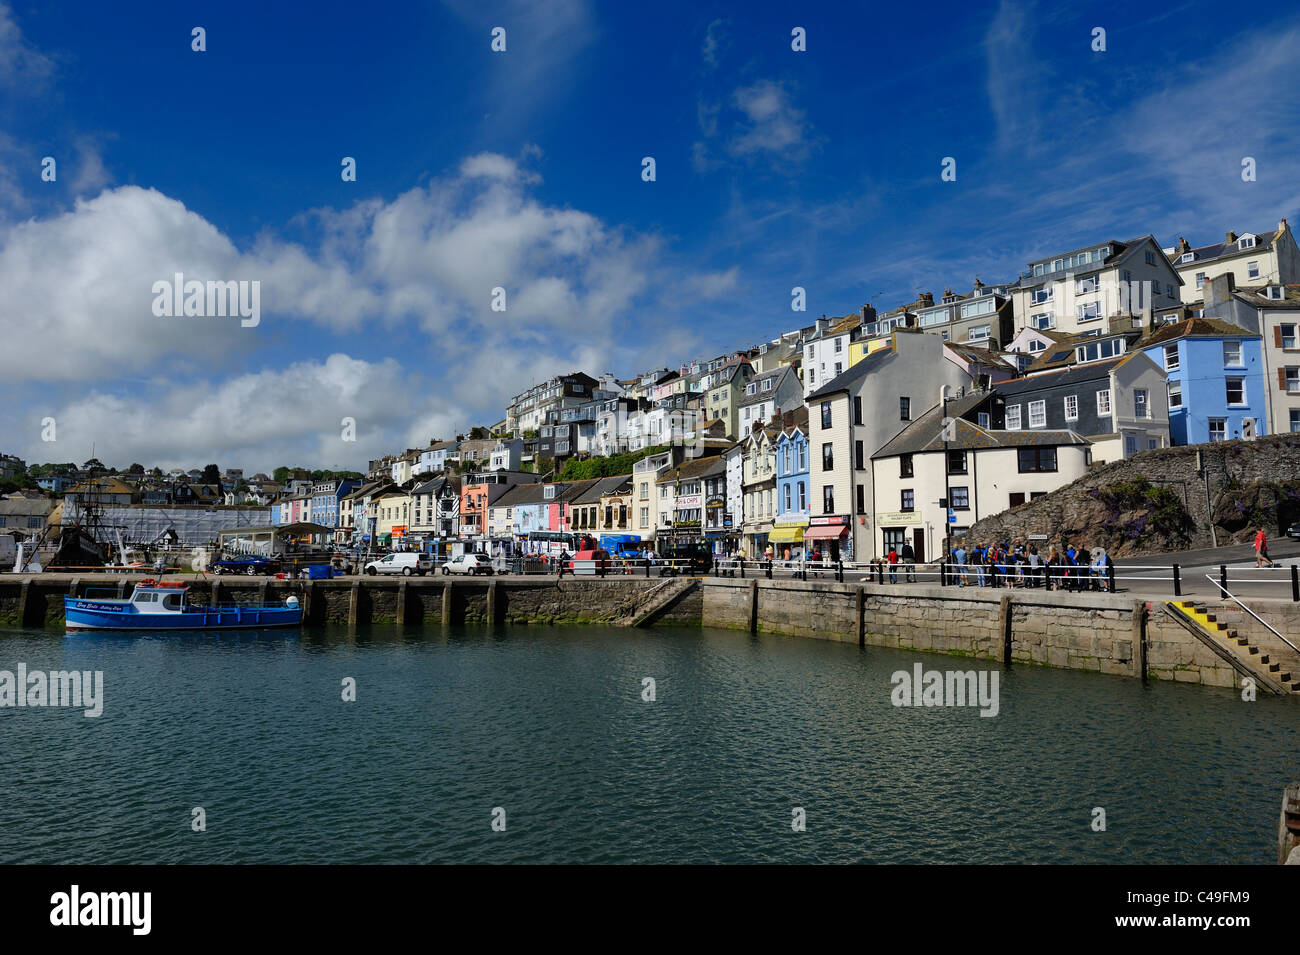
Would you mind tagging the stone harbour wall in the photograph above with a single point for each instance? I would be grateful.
(1105, 633)
(1099, 632)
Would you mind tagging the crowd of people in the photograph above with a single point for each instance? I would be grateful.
(1018, 564)
(1011, 563)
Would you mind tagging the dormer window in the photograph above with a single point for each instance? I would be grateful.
(1274, 292)
(548, 493)
(1186, 257)
(1246, 242)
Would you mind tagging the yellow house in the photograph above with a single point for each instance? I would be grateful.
(861, 349)
(392, 513)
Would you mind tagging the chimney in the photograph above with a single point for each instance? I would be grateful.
(978, 286)
(868, 313)
(1230, 238)
(927, 298)
(1219, 289)
(1182, 246)
(1281, 226)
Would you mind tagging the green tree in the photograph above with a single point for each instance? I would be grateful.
(211, 475)
(281, 474)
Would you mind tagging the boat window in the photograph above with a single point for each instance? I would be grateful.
(172, 602)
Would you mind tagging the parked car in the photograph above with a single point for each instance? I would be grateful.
(1293, 532)
(688, 560)
(250, 565)
(405, 563)
(590, 562)
(468, 564)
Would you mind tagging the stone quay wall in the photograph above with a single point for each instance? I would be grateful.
(1105, 633)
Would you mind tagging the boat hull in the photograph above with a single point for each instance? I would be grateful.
(82, 614)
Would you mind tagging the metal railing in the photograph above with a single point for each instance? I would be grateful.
(1257, 617)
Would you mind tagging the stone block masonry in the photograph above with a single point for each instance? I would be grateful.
(1106, 633)
(1103, 633)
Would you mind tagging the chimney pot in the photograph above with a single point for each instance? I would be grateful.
(1230, 237)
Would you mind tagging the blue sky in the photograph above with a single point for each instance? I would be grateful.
(522, 169)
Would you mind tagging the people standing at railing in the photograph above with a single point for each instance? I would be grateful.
(892, 557)
(909, 561)
(983, 560)
(959, 558)
(1261, 548)
(1033, 566)
(1101, 569)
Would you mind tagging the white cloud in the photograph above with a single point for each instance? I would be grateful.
(256, 420)
(91, 174)
(715, 42)
(773, 124)
(19, 63)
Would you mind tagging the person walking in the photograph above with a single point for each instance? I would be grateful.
(1261, 548)
(909, 562)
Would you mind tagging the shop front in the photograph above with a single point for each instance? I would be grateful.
(787, 540)
(828, 536)
(902, 527)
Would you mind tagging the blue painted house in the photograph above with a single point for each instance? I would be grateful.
(1214, 376)
(792, 491)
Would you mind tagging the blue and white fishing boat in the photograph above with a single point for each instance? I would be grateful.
(158, 605)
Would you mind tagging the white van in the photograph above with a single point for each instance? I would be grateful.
(405, 563)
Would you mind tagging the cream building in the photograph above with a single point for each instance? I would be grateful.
(852, 418)
(965, 472)
(1077, 291)
(1251, 258)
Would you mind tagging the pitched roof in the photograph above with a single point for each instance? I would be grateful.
(603, 486)
(1253, 296)
(854, 374)
(1066, 375)
(522, 494)
(1196, 328)
(1225, 249)
(926, 433)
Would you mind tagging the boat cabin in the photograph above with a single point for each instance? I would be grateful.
(150, 597)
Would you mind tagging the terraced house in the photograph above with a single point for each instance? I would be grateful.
(967, 469)
(723, 389)
(1214, 379)
(1075, 291)
(851, 418)
(1269, 257)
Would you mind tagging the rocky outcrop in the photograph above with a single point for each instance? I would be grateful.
(1167, 499)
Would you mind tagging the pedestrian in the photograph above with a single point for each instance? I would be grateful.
(893, 564)
(959, 555)
(909, 561)
(564, 559)
(1261, 548)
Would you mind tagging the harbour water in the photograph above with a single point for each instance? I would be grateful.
(550, 725)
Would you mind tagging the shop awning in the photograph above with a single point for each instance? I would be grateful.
(819, 532)
(787, 534)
